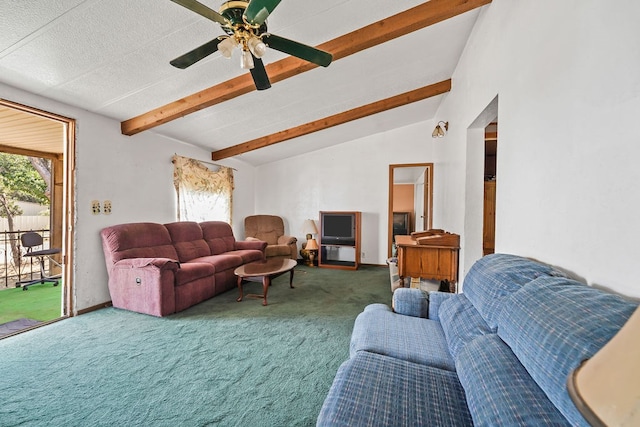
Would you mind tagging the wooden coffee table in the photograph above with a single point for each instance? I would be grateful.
(264, 271)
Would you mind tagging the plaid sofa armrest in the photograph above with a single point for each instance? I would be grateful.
(411, 302)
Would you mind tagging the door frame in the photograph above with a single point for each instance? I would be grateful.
(62, 195)
(428, 198)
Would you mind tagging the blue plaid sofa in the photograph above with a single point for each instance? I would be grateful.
(496, 355)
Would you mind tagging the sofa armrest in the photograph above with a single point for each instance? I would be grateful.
(287, 240)
(161, 263)
(144, 285)
(411, 302)
(251, 244)
(435, 300)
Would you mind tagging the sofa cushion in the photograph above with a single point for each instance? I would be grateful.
(264, 227)
(435, 302)
(136, 240)
(411, 302)
(220, 262)
(278, 250)
(247, 255)
(191, 250)
(271, 237)
(190, 271)
(461, 323)
(184, 231)
(496, 276)
(552, 324)
(164, 251)
(379, 330)
(370, 389)
(499, 389)
(219, 236)
(188, 240)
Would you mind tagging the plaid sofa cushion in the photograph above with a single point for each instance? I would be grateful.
(495, 277)
(436, 299)
(461, 323)
(374, 390)
(411, 302)
(379, 330)
(552, 324)
(499, 390)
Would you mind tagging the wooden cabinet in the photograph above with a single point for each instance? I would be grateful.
(429, 261)
(336, 249)
(489, 222)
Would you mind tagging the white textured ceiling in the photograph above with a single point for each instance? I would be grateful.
(112, 57)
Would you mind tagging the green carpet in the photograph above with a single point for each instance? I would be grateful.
(222, 362)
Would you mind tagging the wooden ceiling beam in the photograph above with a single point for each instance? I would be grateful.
(398, 25)
(336, 119)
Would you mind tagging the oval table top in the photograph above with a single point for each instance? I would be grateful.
(265, 268)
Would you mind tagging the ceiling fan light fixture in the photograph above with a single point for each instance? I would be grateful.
(246, 60)
(245, 25)
(226, 46)
(256, 46)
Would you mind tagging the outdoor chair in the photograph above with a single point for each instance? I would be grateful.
(31, 240)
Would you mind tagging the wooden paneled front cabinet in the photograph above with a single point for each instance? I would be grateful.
(429, 255)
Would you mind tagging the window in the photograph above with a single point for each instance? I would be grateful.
(203, 194)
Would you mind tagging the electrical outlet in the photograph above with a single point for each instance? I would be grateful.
(362, 253)
(106, 207)
(95, 207)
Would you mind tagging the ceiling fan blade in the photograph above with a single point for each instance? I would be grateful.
(259, 74)
(203, 10)
(258, 10)
(299, 50)
(190, 58)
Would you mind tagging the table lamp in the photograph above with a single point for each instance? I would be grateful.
(309, 227)
(606, 388)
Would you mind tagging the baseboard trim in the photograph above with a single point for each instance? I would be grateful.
(94, 308)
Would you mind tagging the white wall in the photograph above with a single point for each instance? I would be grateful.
(353, 176)
(567, 75)
(135, 173)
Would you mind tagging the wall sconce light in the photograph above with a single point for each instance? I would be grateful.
(440, 130)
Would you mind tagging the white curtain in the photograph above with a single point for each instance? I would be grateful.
(203, 194)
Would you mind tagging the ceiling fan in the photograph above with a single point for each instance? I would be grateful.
(244, 21)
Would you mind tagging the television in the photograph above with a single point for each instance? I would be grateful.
(338, 229)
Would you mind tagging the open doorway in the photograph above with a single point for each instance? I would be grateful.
(490, 180)
(410, 200)
(36, 202)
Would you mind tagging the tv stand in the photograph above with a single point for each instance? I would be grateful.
(342, 255)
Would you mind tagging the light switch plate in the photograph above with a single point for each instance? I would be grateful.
(95, 207)
(106, 207)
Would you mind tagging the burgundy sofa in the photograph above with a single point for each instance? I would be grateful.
(160, 269)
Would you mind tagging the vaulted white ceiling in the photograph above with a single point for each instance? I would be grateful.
(112, 57)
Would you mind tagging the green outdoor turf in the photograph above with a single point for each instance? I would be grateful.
(219, 363)
(40, 302)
